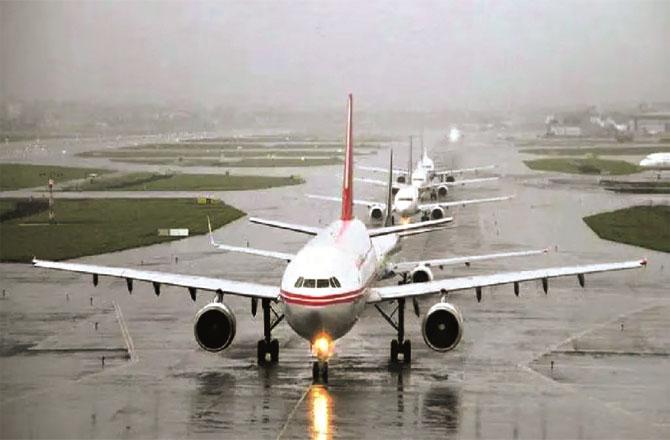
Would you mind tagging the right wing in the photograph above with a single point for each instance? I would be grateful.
(382, 170)
(309, 230)
(247, 250)
(191, 282)
(476, 282)
(464, 170)
(365, 203)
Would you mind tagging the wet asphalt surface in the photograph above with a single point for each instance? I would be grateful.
(609, 343)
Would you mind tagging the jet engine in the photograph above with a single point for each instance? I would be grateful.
(450, 178)
(402, 179)
(442, 190)
(442, 327)
(421, 274)
(376, 213)
(437, 213)
(214, 327)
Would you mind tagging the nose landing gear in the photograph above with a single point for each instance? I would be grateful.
(320, 371)
(268, 345)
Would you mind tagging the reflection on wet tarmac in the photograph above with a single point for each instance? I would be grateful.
(320, 411)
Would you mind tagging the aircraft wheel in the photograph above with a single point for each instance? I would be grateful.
(315, 371)
(262, 349)
(274, 351)
(394, 351)
(407, 352)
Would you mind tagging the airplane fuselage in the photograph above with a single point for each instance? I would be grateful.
(325, 287)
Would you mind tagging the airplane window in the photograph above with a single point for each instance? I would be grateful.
(322, 283)
(334, 282)
(310, 283)
(298, 283)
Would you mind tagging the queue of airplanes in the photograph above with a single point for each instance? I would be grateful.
(330, 281)
(410, 187)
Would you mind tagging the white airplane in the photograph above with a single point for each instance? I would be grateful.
(656, 161)
(329, 282)
(422, 177)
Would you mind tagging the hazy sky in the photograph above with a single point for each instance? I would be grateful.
(405, 54)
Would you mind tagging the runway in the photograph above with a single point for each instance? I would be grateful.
(576, 363)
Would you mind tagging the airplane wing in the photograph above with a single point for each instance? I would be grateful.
(309, 230)
(366, 203)
(462, 182)
(382, 170)
(405, 266)
(476, 282)
(247, 250)
(191, 282)
(429, 206)
(371, 181)
(424, 226)
(464, 170)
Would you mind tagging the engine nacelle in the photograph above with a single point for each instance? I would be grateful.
(376, 213)
(402, 179)
(442, 327)
(450, 179)
(437, 213)
(421, 274)
(214, 327)
(442, 190)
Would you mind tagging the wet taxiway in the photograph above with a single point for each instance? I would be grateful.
(576, 363)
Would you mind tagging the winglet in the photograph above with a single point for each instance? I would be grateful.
(347, 181)
(211, 236)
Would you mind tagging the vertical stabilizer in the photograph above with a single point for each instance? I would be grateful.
(348, 180)
(389, 195)
(409, 162)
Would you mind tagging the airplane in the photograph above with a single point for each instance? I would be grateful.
(330, 281)
(656, 161)
(425, 172)
(421, 177)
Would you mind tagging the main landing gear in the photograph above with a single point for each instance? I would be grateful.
(320, 371)
(399, 346)
(268, 345)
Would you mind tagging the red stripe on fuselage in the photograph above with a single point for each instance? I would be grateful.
(323, 300)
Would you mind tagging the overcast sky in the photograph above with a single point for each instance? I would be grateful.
(405, 54)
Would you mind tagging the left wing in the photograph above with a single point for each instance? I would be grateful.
(191, 282)
(461, 182)
(429, 206)
(426, 226)
(366, 203)
(404, 266)
(476, 282)
(463, 170)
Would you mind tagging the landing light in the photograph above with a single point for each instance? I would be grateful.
(322, 347)
(405, 220)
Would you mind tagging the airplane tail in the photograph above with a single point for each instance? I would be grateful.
(409, 163)
(389, 195)
(348, 180)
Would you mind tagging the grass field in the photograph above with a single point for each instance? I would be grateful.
(95, 226)
(17, 176)
(644, 226)
(181, 182)
(583, 166)
(599, 151)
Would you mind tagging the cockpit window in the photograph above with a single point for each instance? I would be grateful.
(322, 283)
(309, 283)
(298, 283)
(334, 282)
(405, 199)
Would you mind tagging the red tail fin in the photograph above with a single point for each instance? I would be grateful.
(348, 181)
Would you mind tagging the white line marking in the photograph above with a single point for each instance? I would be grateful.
(290, 416)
